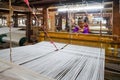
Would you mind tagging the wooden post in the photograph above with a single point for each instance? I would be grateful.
(116, 50)
(116, 18)
(45, 20)
(67, 20)
(52, 20)
(28, 27)
(16, 19)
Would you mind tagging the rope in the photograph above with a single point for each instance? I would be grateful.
(26, 1)
(10, 30)
(51, 41)
(101, 25)
(101, 35)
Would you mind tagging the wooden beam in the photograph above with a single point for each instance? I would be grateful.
(45, 1)
(5, 6)
(116, 18)
(15, 17)
(45, 19)
(28, 27)
(112, 60)
(20, 8)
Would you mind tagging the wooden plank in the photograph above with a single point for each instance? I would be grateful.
(19, 73)
(80, 37)
(5, 6)
(116, 17)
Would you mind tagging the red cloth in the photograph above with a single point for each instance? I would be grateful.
(27, 2)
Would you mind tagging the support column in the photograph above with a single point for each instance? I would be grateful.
(116, 18)
(2, 20)
(116, 21)
(67, 26)
(45, 20)
(28, 27)
(15, 19)
(52, 20)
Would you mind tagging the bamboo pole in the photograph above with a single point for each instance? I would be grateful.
(9, 24)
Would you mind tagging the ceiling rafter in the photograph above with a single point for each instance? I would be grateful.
(40, 3)
(46, 1)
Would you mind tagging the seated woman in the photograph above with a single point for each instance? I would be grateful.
(86, 28)
(75, 29)
(83, 28)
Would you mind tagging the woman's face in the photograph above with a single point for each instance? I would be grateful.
(81, 25)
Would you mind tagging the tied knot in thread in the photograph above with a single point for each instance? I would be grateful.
(52, 42)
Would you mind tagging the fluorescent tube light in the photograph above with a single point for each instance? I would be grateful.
(80, 8)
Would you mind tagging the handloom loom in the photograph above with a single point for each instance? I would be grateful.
(70, 63)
